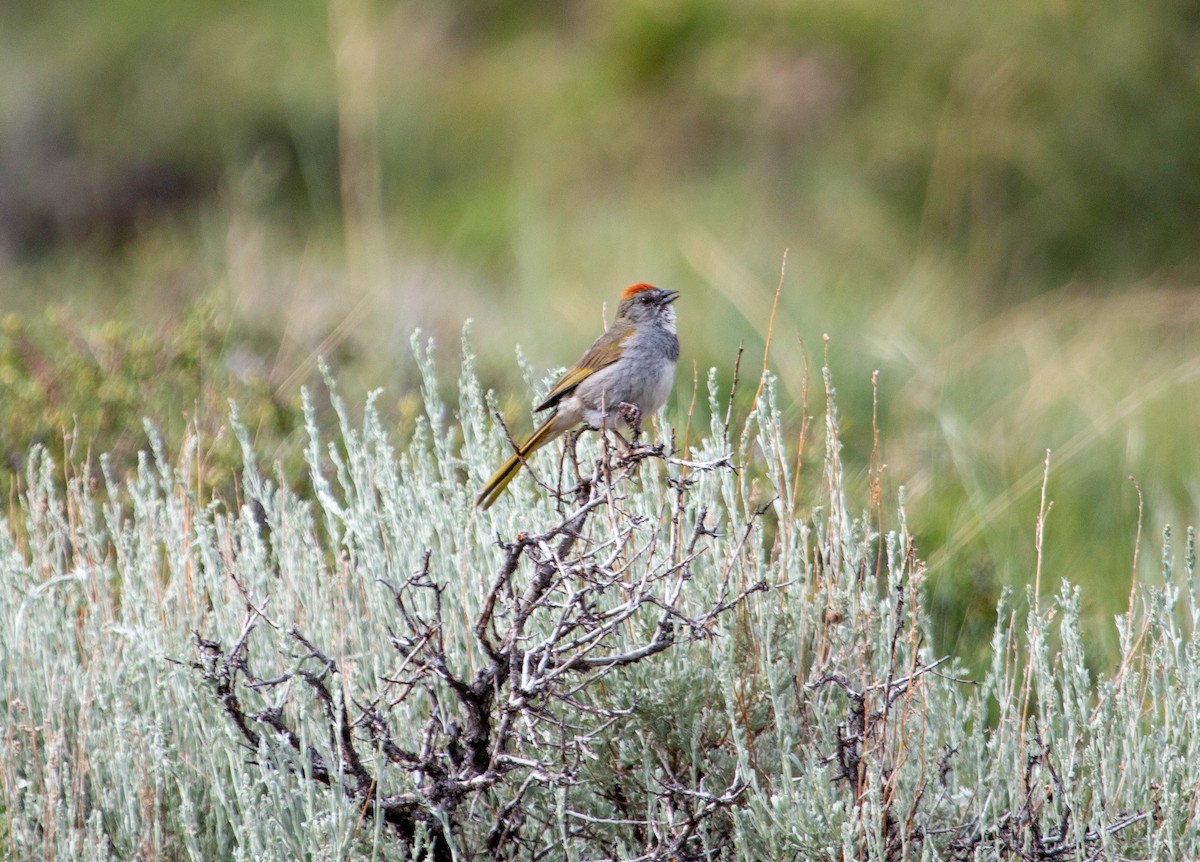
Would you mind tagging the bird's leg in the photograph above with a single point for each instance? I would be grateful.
(632, 414)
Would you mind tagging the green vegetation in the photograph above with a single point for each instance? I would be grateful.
(700, 669)
(80, 395)
(992, 205)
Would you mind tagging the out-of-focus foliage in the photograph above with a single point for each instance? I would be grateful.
(1032, 142)
(80, 393)
(992, 204)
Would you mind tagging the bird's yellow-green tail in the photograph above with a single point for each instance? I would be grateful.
(494, 486)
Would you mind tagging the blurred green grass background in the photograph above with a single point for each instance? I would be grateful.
(995, 205)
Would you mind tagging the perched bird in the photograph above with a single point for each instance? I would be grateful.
(626, 374)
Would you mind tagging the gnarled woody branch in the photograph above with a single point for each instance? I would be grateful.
(521, 724)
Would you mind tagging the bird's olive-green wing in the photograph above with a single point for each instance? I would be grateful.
(602, 354)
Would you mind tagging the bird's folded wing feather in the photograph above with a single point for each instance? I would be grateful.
(602, 354)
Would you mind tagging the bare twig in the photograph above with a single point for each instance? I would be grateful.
(562, 612)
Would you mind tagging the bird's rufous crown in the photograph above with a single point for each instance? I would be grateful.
(635, 289)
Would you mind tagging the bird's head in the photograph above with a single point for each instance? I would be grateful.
(645, 302)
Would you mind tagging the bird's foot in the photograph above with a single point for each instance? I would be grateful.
(632, 414)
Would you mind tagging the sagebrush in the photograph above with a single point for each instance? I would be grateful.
(648, 654)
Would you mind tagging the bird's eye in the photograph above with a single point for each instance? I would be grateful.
(645, 300)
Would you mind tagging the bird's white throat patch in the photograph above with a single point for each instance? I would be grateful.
(668, 318)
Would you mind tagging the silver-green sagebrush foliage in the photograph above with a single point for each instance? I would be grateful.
(633, 655)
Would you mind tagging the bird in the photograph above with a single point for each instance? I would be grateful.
(626, 374)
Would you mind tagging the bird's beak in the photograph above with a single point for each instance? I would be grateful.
(669, 296)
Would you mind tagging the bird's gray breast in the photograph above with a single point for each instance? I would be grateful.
(644, 376)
